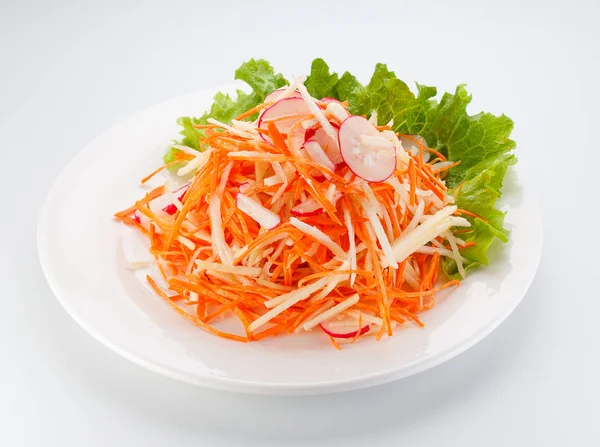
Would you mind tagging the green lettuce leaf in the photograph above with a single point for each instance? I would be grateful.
(320, 83)
(472, 139)
(259, 75)
(391, 98)
(478, 194)
(481, 142)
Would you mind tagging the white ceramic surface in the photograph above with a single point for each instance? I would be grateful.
(84, 255)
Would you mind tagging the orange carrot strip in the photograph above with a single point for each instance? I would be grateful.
(194, 320)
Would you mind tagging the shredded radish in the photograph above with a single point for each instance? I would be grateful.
(286, 301)
(318, 114)
(199, 160)
(380, 233)
(456, 254)
(256, 211)
(335, 310)
(318, 235)
(318, 155)
(435, 225)
(336, 109)
(236, 270)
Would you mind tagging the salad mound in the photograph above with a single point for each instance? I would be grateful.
(323, 203)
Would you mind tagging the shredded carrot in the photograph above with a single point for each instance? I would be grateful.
(335, 344)
(413, 181)
(255, 266)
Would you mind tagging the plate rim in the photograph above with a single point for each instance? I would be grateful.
(257, 387)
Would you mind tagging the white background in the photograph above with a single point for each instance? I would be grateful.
(70, 70)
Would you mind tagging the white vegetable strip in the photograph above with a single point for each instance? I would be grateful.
(457, 257)
(319, 236)
(186, 149)
(411, 276)
(265, 218)
(219, 246)
(416, 218)
(281, 174)
(375, 141)
(233, 269)
(440, 165)
(272, 285)
(411, 241)
(137, 265)
(373, 118)
(313, 249)
(335, 310)
(287, 91)
(318, 155)
(318, 114)
(185, 241)
(372, 199)
(379, 233)
(327, 305)
(367, 318)
(224, 178)
(325, 292)
(337, 110)
(441, 250)
(233, 130)
(352, 248)
(227, 278)
(308, 290)
(289, 299)
(199, 160)
(307, 124)
(263, 156)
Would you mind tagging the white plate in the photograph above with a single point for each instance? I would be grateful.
(83, 253)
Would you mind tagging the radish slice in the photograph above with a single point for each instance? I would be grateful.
(297, 135)
(410, 143)
(329, 146)
(273, 96)
(256, 211)
(371, 162)
(335, 333)
(292, 107)
(171, 209)
(318, 155)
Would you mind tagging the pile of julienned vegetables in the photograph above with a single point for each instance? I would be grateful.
(322, 203)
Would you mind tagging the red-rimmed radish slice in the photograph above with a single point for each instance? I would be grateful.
(298, 135)
(273, 96)
(340, 332)
(309, 133)
(292, 107)
(328, 100)
(329, 146)
(171, 209)
(411, 143)
(318, 155)
(369, 155)
(266, 218)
